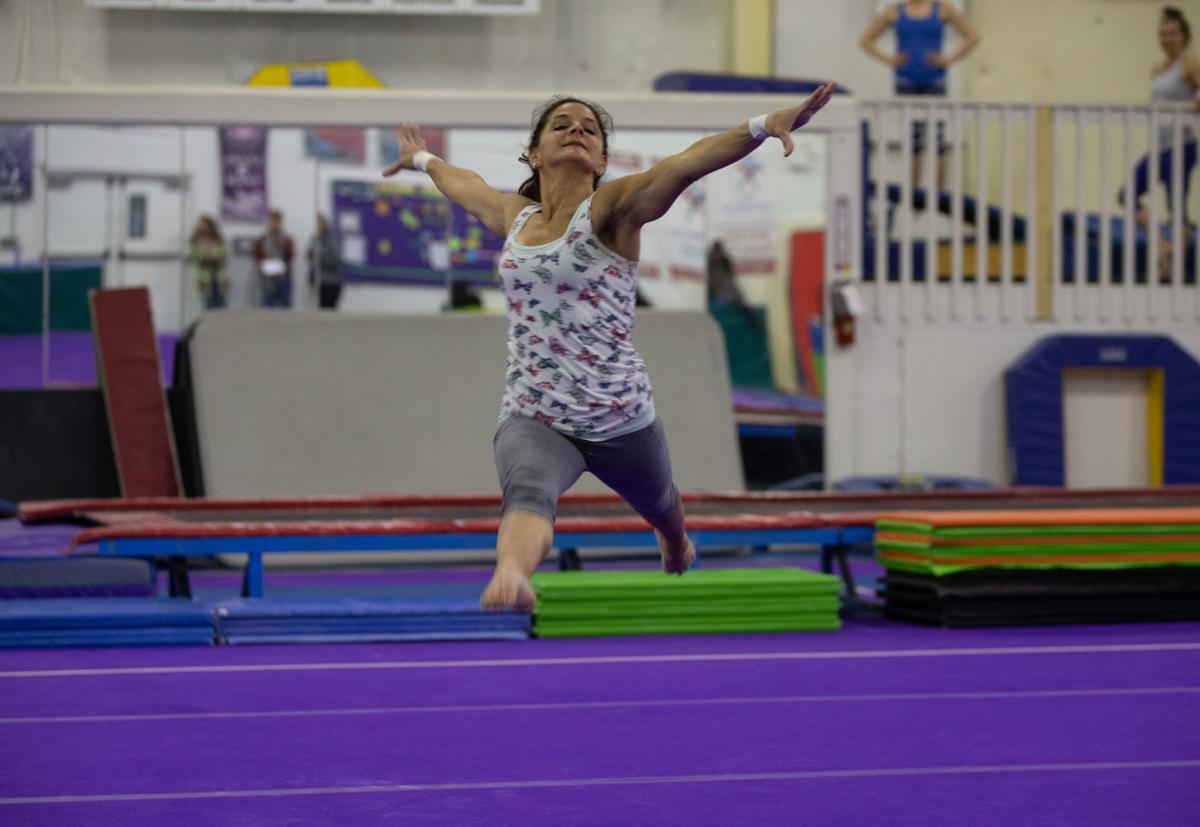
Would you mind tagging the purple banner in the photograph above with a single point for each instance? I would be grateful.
(244, 173)
(16, 163)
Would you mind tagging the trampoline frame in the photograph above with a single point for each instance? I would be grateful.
(566, 543)
(832, 522)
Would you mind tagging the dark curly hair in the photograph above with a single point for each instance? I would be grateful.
(1170, 14)
(532, 186)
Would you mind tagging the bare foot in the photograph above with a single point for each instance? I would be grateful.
(509, 589)
(676, 560)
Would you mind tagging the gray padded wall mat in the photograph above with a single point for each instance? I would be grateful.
(305, 404)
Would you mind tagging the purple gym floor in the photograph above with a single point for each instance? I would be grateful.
(880, 723)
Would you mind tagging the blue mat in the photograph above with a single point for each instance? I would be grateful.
(104, 621)
(112, 621)
(74, 638)
(264, 620)
(98, 613)
(354, 637)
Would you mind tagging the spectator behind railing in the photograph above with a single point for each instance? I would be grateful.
(919, 63)
(1175, 80)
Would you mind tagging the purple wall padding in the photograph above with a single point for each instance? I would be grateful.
(1034, 402)
(129, 373)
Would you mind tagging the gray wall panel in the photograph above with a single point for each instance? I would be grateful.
(291, 404)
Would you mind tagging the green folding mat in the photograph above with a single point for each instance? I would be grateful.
(1050, 545)
(587, 609)
(1173, 542)
(703, 601)
(697, 584)
(794, 622)
(916, 527)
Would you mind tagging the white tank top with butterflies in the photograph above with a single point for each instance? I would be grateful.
(571, 362)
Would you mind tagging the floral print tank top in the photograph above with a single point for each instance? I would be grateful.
(571, 362)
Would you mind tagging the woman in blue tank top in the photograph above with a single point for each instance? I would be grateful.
(576, 395)
(920, 63)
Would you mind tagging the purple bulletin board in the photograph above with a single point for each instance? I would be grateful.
(390, 232)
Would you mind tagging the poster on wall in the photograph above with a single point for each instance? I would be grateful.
(406, 233)
(336, 144)
(744, 216)
(16, 163)
(684, 233)
(244, 173)
(389, 144)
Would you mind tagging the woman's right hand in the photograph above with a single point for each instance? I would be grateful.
(411, 143)
(899, 59)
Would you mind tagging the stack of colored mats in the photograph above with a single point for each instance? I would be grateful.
(339, 620)
(979, 568)
(104, 621)
(703, 601)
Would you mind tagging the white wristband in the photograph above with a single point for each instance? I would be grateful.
(421, 160)
(758, 127)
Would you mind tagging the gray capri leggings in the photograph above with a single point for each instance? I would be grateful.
(537, 464)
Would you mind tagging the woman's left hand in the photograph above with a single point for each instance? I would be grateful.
(781, 124)
(411, 142)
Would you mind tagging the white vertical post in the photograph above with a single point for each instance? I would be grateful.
(1056, 274)
(183, 219)
(905, 211)
(313, 291)
(1128, 240)
(982, 241)
(1105, 263)
(881, 211)
(1195, 291)
(1152, 231)
(46, 255)
(1006, 216)
(1080, 253)
(844, 185)
(114, 220)
(1031, 228)
(956, 210)
(933, 193)
(1179, 231)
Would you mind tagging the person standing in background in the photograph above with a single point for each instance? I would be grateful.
(723, 288)
(325, 265)
(206, 253)
(1175, 80)
(920, 63)
(273, 254)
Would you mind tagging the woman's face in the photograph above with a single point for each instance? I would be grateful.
(572, 133)
(1170, 37)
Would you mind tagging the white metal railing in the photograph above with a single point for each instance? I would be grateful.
(1045, 179)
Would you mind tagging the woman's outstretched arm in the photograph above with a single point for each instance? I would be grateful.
(634, 200)
(497, 210)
